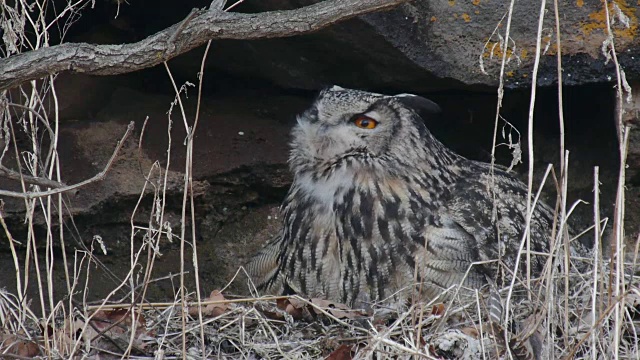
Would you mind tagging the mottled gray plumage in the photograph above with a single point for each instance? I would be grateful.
(369, 206)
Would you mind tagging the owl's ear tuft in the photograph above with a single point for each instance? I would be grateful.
(424, 107)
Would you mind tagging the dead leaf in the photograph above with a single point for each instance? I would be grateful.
(116, 321)
(111, 329)
(471, 331)
(310, 310)
(212, 310)
(337, 310)
(343, 352)
(294, 307)
(272, 313)
(11, 344)
(527, 344)
(438, 309)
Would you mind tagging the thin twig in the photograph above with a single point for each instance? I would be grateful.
(596, 257)
(28, 195)
(189, 188)
(166, 305)
(182, 223)
(618, 222)
(171, 46)
(532, 102)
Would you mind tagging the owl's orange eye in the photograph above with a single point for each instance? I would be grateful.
(365, 122)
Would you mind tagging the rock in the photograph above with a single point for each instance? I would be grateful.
(238, 179)
(420, 46)
(631, 118)
(431, 45)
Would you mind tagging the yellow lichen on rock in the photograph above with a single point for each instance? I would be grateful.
(494, 50)
(626, 30)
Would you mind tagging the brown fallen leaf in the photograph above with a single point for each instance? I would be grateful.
(471, 331)
(111, 330)
(529, 346)
(117, 320)
(298, 309)
(438, 309)
(343, 352)
(270, 311)
(311, 309)
(212, 310)
(11, 344)
(337, 310)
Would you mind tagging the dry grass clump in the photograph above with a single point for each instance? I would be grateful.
(270, 327)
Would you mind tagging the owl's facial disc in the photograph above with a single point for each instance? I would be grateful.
(331, 139)
(357, 125)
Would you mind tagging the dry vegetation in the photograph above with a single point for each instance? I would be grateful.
(591, 313)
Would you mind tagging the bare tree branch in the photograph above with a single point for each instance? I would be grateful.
(14, 175)
(199, 27)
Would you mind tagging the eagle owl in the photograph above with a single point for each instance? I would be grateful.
(379, 206)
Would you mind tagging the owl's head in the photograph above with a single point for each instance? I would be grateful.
(357, 125)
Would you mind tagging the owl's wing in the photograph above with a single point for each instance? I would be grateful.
(451, 256)
(496, 221)
(263, 267)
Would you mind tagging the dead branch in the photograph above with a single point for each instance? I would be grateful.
(14, 175)
(199, 27)
(99, 176)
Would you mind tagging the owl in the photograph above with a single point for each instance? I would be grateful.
(379, 207)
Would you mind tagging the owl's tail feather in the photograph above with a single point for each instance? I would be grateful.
(263, 267)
